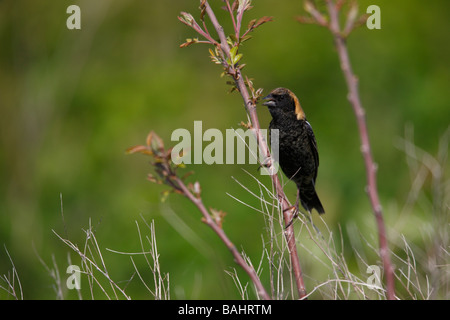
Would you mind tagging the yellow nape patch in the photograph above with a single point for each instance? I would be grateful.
(298, 108)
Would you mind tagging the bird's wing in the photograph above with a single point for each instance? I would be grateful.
(313, 146)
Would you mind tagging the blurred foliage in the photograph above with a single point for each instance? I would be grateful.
(72, 102)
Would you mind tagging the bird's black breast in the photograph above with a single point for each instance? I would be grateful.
(298, 155)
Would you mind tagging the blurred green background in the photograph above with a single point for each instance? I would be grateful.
(72, 102)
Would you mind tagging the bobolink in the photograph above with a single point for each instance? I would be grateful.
(298, 156)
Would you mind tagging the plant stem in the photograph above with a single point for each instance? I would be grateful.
(222, 235)
(251, 110)
(354, 99)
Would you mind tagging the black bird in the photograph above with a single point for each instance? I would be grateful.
(298, 156)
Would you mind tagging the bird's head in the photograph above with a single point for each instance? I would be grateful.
(283, 100)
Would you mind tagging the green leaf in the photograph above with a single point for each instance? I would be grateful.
(237, 58)
(232, 39)
(233, 52)
(187, 18)
(245, 38)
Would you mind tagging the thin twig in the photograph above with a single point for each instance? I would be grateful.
(222, 235)
(354, 99)
(250, 106)
(89, 262)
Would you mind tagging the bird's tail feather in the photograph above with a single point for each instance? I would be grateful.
(310, 200)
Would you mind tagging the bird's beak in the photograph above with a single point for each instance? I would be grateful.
(270, 102)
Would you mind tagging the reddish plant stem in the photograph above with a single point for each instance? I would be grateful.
(251, 110)
(222, 235)
(230, 10)
(354, 99)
